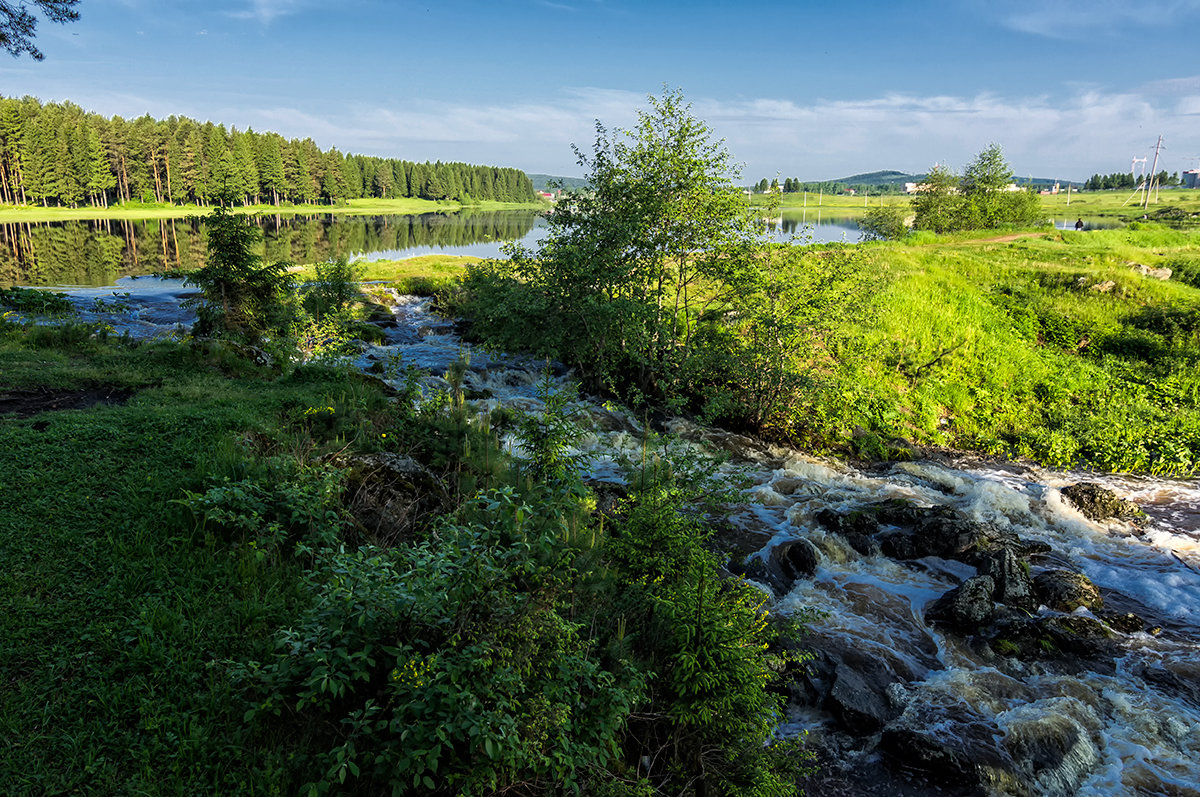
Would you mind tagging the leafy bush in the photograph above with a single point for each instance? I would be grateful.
(452, 665)
(883, 223)
(29, 300)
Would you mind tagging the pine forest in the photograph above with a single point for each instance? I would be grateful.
(57, 154)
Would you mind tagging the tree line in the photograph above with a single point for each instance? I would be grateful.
(793, 185)
(1118, 180)
(57, 154)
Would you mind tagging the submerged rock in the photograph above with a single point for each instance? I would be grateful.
(1066, 591)
(1052, 743)
(1097, 502)
(956, 753)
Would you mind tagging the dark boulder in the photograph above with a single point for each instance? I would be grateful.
(390, 495)
(855, 523)
(1014, 587)
(785, 564)
(896, 511)
(1097, 502)
(1066, 591)
(961, 754)
(940, 531)
(965, 608)
(1074, 642)
(859, 701)
(1127, 623)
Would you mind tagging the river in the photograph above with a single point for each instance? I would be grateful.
(1124, 723)
(98, 253)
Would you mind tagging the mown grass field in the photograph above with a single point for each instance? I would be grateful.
(30, 214)
(1113, 204)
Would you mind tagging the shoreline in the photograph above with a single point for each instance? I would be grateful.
(16, 214)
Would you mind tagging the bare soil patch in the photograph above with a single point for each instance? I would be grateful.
(34, 401)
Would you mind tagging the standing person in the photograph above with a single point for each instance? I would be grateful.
(1079, 224)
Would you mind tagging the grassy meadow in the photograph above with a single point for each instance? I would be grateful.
(1111, 204)
(1051, 346)
(353, 207)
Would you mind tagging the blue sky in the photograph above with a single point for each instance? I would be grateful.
(810, 90)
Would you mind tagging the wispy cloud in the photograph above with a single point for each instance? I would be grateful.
(1068, 19)
(267, 11)
(1089, 131)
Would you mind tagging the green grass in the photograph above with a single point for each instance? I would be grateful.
(1113, 204)
(1008, 347)
(120, 623)
(137, 210)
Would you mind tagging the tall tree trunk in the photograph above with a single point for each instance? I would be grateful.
(167, 161)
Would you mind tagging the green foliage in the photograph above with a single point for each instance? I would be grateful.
(883, 223)
(712, 716)
(546, 436)
(628, 270)
(451, 666)
(28, 300)
(981, 199)
(282, 511)
(334, 289)
(242, 297)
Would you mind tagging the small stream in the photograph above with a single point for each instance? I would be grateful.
(1131, 726)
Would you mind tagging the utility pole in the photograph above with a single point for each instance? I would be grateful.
(1153, 172)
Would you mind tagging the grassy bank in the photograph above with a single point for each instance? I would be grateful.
(1054, 347)
(228, 579)
(22, 214)
(1109, 204)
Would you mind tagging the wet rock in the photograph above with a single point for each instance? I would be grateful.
(1097, 502)
(390, 495)
(860, 705)
(1065, 591)
(1014, 587)
(1178, 679)
(1074, 642)
(1052, 744)
(857, 528)
(785, 564)
(965, 608)
(857, 522)
(1127, 623)
(940, 531)
(864, 545)
(895, 512)
(957, 754)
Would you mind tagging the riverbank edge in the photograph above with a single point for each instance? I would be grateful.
(11, 214)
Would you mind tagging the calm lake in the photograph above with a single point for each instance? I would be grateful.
(97, 253)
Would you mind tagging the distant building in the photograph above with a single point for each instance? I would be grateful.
(1191, 178)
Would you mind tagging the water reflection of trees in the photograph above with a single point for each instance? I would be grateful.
(96, 252)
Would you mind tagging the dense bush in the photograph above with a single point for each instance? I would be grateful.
(981, 199)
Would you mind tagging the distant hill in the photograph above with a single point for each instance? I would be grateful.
(879, 178)
(541, 182)
(888, 177)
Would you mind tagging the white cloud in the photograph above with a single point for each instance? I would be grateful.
(1067, 19)
(1089, 131)
(267, 11)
